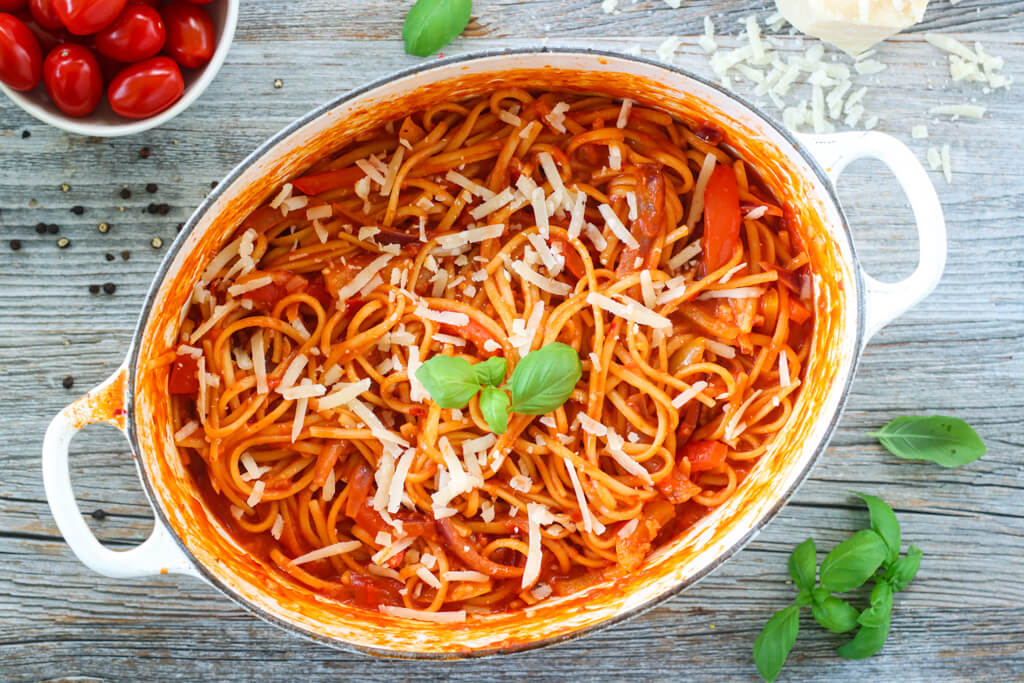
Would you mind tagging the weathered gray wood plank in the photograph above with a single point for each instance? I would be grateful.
(959, 352)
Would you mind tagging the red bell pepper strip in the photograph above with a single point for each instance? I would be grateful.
(721, 218)
(317, 183)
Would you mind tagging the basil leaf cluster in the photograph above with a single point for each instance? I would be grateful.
(869, 555)
(540, 383)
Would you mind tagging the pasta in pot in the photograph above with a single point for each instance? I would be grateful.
(491, 227)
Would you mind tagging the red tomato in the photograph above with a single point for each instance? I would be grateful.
(191, 37)
(21, 60)
(146, 88)
(12, 5)
(45, 14)
(83, 17)
(199, 2)
(721, 217)
(135, 35)
(704, 455)
(147, 3)
(73, 78)
(184, 377)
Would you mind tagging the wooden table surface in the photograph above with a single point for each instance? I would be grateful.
(959, 353)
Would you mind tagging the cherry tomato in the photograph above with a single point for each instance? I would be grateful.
(191, 37)
(199, 2)
(73, 78)
(21, 60)
(12, 5)
(147, 3)
(45, 14)
(83, 17)
(135, 35)
(146, 88)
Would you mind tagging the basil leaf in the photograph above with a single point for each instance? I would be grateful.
(885, 524)
(835, 614)
(544, 379)
(450, 381)
(775, 641)
(946, 441)
(803, 598)
(494, 406)
(904, 569)
(820, 595)
(490, 372)
(853, 561)
(803, 564)
(867, 641)
(881, 606)
(432, 24)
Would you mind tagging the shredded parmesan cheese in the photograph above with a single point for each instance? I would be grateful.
(339, 548)
(467, 184)
(461, 239)
(623, 119)
(187, 430)
(454, 318)
(617, 228)
(363, 277)
(256, 495)
(632, 311)
(345, 393)
(686, 396)
(697, 205)
(539, 281)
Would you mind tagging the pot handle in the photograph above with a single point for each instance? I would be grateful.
(886, 301)
(158, 554)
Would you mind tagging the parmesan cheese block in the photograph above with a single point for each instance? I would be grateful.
(852, 25)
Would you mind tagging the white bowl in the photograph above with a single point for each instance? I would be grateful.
(104, 122)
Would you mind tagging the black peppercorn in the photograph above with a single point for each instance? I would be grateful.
(126, 193)
(163, 209)
(68, 382)
(109, 256)
(99, 514)
(152, 208)
(40, 228)
(78, 210)
(26, 134)
(151, 188)
(53, 228)
(109, 287)
(94, 289)
(15, 245)
(213, 184)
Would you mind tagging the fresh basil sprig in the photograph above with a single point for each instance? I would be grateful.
(432, 24)
(541, 382)
(946, 441)
(869, 555)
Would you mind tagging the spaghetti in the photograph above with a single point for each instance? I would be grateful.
(491, 226)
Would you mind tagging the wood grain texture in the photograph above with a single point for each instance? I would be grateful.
(958, 353)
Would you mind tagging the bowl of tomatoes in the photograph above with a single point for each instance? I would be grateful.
(111, 67)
